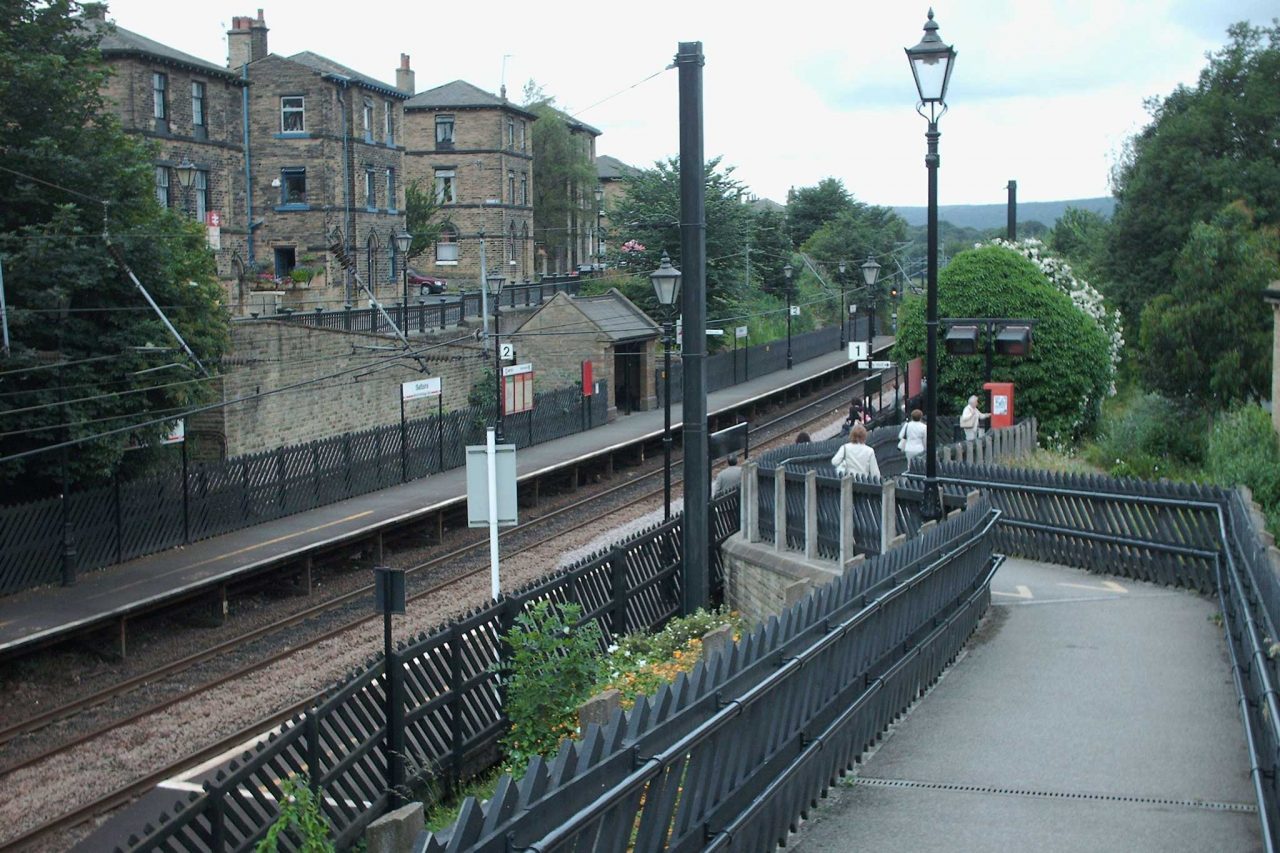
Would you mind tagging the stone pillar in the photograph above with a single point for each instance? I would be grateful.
(811, 514)
(846, 521)
(749, 501)
(888, 514)
(779, 509)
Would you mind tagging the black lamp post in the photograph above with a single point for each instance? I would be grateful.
(786, 271)
(844, 315)
(403, 241)
(666, 286)
(599, 227)
(495, 280)
(186, 174)
(871, 272)
(931, 63)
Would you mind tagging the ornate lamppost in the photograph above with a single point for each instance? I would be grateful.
(871, 272)
(844, 315)
(496, 280)
(666, 286)
(404, 241)
(931, 63)
(786, 271)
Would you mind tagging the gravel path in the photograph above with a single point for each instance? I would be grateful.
(96, 768)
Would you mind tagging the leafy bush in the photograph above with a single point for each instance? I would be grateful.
(1069, 371)
(301, 821)
(1243, 450)
(554, 664)
(1146, 435)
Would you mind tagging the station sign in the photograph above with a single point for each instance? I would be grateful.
(421, 388)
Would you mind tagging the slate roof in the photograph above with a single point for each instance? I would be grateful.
(461, 95)
(617, 316)
(612, 169)
(117, 41)
(324, 65)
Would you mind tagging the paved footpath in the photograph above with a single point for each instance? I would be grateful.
(1088, 713)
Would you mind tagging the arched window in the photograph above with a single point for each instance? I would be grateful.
(524, 249)
(371, 260)
(447, 245)
(511, 244)
(393, 258)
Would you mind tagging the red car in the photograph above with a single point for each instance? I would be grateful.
(426, 283)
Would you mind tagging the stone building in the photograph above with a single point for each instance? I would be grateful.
(613, 334)
(325, 159)
(612, 174)
(583, 248)
(474, 150)
(192, 110)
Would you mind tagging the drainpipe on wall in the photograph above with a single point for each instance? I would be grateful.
(347, 218)
(248, 167)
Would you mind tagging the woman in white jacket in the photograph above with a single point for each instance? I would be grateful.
(855, 457)
(911, 438)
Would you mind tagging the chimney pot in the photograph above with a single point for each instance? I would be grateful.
(404, 61)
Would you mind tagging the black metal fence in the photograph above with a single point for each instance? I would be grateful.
(129, 519)
(733, 366)
(728, 757)
(420, 316)
(451, 702)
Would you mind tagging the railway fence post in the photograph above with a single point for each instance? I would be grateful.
(456, 745)
(618, 586)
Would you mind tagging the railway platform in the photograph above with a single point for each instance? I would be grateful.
(101, 603)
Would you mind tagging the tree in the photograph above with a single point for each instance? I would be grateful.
(770, 249)
(1209, 340)
(67, 163)
(809, 207)
(1205, 147)
(649, 213)
(1080, 236)
(564, 179)
(1069, 371)
(421, 218)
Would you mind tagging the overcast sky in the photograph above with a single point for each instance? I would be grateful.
(1044, 91)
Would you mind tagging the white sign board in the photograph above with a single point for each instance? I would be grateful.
(517, 369)
(421, 388)
(715, 333)
(177, 432)
(853, 309)
(1000, 404)
(740, 332)
(507, 352)
(857, 350)
(478, 485)
(881, 365)
(795, 310)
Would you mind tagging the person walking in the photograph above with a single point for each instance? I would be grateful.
(911, 438)
(854, 457)
(971, 418)
(729, 478)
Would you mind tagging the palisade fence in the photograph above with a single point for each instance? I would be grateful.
(732, 366)
(730, 756)
(451, 701)
(128, 519)
(438, 315)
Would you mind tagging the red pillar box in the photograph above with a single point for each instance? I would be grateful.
(1001, 404)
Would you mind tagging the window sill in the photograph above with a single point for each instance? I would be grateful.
(446, 263)
(287, 208)
(293, 134)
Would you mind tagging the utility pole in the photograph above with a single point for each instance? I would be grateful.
(1011, 227)
(693, 256)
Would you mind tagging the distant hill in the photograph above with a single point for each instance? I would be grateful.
(995, 215)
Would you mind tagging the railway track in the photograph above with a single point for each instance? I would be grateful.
(525, 538)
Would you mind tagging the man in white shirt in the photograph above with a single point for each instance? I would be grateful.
(971, 418)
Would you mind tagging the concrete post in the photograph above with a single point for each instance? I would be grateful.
(846, 521)
(779, 509)
(749, 501)
(811, 514)
(888, 514)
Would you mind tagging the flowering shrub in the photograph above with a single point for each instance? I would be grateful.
(554, 664)
(1083, 295)
(641, 663)
(632, 246)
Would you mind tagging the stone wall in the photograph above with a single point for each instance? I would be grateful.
(268, 354)
(548, 340)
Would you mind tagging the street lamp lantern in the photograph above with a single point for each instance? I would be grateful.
(496, 280)
(666, 282)
(599, 195)
(931, 64)
(870, 272)
(786, 271)
(842, 265)
(666, 286)
(404, 241)
(186, 173)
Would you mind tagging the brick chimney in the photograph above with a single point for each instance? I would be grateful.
(404, 75)
(246, 40)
